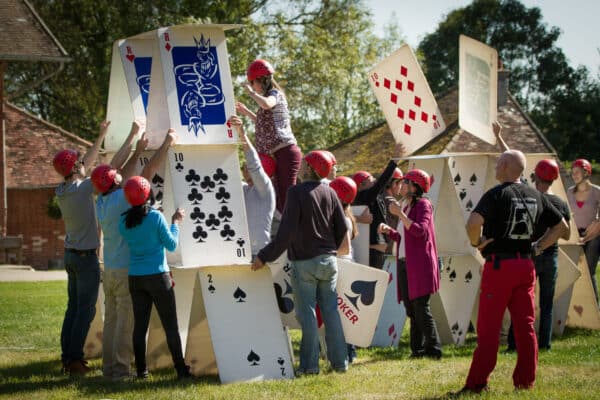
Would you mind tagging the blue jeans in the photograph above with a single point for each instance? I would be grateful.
(314, 281)
(83, 271)
(592, 253)
(546, 267)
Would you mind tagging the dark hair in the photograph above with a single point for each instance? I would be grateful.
(135, 215)
(267, 83)
(417, 195)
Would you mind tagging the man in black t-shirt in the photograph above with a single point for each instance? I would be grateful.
(546, 264)
(508, 214)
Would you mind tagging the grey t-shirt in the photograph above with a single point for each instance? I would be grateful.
(76, 202)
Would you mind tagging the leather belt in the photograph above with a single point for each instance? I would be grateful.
(507, 256)
(497, 257)
(82, 253)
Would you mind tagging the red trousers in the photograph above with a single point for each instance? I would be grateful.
(513, 286)
(288, 160)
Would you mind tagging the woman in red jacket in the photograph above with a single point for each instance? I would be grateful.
(418, 272)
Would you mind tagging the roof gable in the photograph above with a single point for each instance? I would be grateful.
(31, 144)
(24, 36)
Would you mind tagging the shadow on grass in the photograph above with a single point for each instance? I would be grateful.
(46, 375)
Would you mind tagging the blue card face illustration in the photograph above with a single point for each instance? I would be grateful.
(143, 66)
(199, 89)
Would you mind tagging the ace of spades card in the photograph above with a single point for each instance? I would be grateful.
(360, 291)
(393, 314)
(248, 338)
(195, 80)
(468, 173)
(281, 271)
(478, 88)
(206, 182)
(459, 286)
(406, 100)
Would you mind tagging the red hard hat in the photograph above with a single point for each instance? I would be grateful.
(258, 68)
(103, 177)
(268, 163)
(397, 174)
(319, 162)
(547, 170)
(419, 177)
(137, 190)
(345, 188)
(360, 176)
(64, 161)
(330, 154)
(583, 164)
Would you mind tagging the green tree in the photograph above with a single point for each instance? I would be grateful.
(540, 77)
(322, 51)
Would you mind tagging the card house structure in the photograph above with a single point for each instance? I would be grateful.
(460, 179)
(179, 77)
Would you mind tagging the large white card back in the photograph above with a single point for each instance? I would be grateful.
(247, 335)
(406, 100)
(477, 88)
(393, 313)
(207, 183)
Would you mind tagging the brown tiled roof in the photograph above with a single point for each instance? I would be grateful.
(24, 36)
(372, 149)
(31, 144)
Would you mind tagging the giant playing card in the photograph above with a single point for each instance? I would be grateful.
(207, 183)
(136, 55)
(281, 271)
(459, 285)
(248, 338)
(393, 313)
(406, 100)
(129, 87)
(468, 173)
(197, 83)
(361, 291)
(478, 88)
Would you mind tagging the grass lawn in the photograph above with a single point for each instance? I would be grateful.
(31, 316)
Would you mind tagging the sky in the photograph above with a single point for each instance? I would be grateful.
(577, 19)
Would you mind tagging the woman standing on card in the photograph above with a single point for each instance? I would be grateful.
(584, 199)
(418, 272)
(273, 130)
(147, 234)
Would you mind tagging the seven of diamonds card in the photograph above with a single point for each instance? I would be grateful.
(406, 100)
(207, 184)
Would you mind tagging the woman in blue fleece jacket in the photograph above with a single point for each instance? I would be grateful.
(147, 234)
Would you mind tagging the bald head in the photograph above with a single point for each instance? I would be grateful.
(510, 166)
